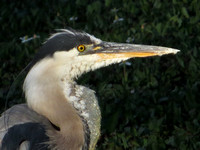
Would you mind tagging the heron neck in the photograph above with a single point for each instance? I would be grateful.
(44, 94)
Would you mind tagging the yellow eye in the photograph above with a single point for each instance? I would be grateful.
(81, 48)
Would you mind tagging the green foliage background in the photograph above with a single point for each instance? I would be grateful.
(151, 104)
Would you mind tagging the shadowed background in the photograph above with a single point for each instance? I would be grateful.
(146, 103)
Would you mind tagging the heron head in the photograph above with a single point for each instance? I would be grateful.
(80, 52)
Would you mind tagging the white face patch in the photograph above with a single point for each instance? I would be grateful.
(75, 65)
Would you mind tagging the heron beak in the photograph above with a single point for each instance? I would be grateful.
(110, 50)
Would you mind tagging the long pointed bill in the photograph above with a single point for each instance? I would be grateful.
(110, 50)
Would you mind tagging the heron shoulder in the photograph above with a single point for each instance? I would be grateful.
(17, 124)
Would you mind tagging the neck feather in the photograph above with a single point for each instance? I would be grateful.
(44, 94)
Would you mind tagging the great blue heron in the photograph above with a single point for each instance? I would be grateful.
(59, 114)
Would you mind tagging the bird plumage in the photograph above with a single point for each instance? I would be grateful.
(20, 123)
(62, 114)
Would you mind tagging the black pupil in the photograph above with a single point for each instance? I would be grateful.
(81, 47)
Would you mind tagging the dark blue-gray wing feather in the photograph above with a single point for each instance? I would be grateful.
(19, 125)
(33, 133)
